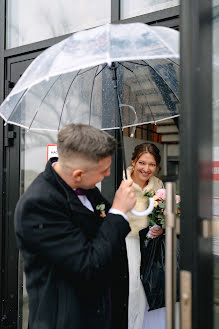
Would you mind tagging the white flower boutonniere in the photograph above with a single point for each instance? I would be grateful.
(101, 209)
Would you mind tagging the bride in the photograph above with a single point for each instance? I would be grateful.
(145, 162)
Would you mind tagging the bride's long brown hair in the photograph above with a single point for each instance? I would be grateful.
(147, 148)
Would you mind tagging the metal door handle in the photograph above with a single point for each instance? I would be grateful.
(210, 228)
(170, 279)
(170, 241)
(186, 299)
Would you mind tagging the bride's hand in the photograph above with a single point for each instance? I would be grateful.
(155, 231)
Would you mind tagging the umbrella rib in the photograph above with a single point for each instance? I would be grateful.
(170, 59)
(42, 102)
(143, 90)
(164, 81)
(66, 98)
(152, 83)
(90, 69)
(19, 100)
(92, 93)
(127, 68)
(136, 63)
(101, 70)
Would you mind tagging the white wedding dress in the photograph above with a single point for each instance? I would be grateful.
(138, 315)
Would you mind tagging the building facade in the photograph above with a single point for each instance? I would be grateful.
(29, 27)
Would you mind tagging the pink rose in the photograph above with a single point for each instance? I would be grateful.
(177, 198)
(161, 194)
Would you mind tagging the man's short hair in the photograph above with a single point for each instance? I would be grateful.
(91, 143)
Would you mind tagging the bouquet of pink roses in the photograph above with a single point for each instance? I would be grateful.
(158, 215)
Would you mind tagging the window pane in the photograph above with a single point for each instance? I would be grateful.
(132, 8)
(29, 21)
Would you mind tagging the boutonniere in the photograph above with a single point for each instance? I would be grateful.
(101, 209)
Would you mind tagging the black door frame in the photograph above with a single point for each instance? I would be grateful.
(9, 164)
(2, 79)
(196, 154)
(11, 186)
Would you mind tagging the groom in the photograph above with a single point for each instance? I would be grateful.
(72, 241)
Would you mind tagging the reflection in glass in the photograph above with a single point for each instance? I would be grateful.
(33, 161)
(131, 8)
(31, 21)
(216, 155)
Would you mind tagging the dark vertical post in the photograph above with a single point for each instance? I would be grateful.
(196, 154)
(10, 316)
(119, 114)
(117, 159)
(109, 103)
(115, 10)
(2, 78)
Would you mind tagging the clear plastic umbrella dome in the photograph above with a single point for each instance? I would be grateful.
(74, 81)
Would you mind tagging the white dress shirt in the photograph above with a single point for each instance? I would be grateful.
(84, 200)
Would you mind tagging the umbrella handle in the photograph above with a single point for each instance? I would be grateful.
(146, 212)
(136, 117)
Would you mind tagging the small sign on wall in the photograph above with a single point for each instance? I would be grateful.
(215, 163)
(51, 151)
(215, 170)
(215, 207)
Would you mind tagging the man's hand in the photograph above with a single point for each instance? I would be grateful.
(124, 199)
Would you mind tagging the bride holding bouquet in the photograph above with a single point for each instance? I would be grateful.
(144, 166)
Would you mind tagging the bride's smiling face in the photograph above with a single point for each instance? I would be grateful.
(144, 169)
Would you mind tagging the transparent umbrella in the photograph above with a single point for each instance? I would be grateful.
(84, 77)
(111, 77)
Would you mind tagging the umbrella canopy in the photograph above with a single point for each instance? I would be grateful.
(85, 77)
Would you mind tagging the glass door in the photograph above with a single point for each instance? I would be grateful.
(199, 165)
(12, 277)
(26, 155)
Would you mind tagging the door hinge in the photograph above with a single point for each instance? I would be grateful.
(8, 86)
(11, 84)
(9, 139)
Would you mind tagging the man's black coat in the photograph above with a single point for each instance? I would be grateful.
(75, 261)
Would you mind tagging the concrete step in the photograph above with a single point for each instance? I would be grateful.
(170, 138)
(167, 129)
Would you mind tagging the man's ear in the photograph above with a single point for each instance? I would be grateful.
(77, 175)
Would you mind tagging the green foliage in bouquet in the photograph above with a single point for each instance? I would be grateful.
(158, 215)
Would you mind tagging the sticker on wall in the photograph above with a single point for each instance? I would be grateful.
(215, 207)
(51, 151)
(215, 168)
(215, 163)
